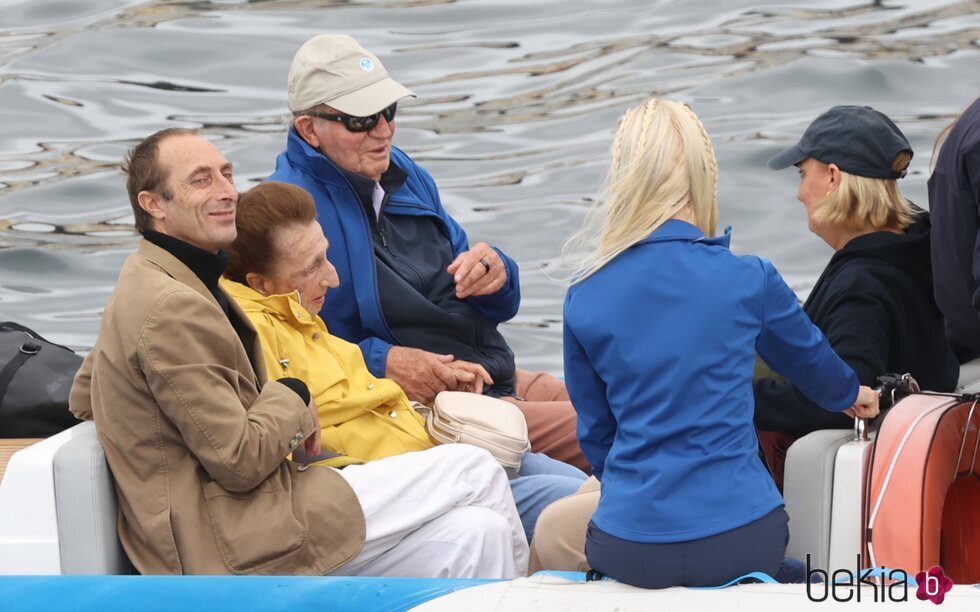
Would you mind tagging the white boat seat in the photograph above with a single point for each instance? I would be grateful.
(9, 446)
(969, 377)
(808, 490)
(85, 498)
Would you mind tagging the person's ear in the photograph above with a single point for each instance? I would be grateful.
(152, 203)
(306, 129)
(259, 282)
(833, 172)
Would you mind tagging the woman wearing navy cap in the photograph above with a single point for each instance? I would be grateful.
(662, 323)
(874, 300)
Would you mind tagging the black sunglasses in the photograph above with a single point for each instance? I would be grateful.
(358, 124)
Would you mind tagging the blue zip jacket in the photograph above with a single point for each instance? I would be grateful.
(353, 310)
(660, 349)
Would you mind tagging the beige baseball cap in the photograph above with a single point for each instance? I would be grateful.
(333, 69)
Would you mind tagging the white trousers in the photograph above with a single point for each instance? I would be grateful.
(446, 512)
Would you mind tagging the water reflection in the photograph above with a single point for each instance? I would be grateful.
(517, 103)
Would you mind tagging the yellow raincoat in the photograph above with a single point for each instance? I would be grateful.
(362, 417)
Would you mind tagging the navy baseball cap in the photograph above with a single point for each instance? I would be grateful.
(859, 139)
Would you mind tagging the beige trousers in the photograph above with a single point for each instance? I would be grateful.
(559, 538)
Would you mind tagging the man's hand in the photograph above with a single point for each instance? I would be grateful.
(422, 374)
(479, 271)
(478, 372)
(866, 404)
(312, 443)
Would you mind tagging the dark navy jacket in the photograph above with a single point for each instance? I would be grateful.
(353, 310)
(660, 349)
(954, 200)
(874, 303)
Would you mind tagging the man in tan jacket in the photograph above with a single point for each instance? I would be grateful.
(198, 440)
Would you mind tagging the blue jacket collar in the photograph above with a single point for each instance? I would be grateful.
(309, 159)
(675, 229)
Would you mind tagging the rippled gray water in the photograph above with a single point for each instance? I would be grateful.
(517, 103)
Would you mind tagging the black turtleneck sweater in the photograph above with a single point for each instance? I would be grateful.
(209, 267)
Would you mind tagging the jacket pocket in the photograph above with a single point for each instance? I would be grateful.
(255, 531)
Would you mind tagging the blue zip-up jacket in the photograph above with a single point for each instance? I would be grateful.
(353, 310)
(660, 349)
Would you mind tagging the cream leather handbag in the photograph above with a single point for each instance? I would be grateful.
(487, 422)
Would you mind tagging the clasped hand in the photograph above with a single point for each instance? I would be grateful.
(312, 446)
(422, 374)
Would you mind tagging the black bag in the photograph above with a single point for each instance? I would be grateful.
(35, 379)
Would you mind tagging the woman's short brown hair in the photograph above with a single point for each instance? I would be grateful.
(262, 211)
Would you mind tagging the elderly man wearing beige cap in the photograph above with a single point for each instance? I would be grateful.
(421, 302)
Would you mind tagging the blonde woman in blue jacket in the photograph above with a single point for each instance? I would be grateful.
(662, 324)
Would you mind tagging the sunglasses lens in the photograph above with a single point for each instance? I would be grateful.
(389, 112)
(360, 124)
(363, 124)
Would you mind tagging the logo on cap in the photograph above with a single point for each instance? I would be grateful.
(366, 64)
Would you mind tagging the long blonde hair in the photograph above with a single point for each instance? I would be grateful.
(662, 164)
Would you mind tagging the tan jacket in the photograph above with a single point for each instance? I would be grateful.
(196, 448)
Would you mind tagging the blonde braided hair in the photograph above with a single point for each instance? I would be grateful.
(711, 222)
(662, 165)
